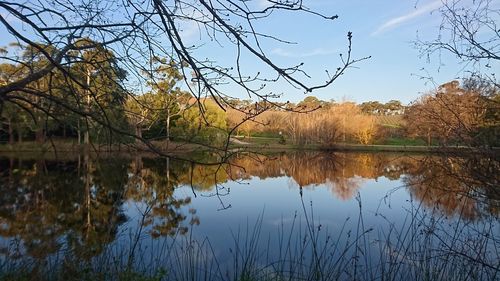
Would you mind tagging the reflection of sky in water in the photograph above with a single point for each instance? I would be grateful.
(278, 201)
(332, 201)
(384, 203)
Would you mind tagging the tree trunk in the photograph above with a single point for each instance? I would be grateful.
(138, 132)
(168, 171)
(138, 165)
(11, 172)
(11, 133)
(40, 135)
(86, 137)
(88, 202)
(79, 132)
(168, 124)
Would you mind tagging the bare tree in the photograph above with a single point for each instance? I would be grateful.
(469, 31)
(135, 33)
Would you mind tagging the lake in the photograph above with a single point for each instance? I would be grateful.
(283, 216)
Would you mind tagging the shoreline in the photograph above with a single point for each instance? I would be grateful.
(176, 148)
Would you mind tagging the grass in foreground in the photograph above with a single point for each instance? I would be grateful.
(425, 247)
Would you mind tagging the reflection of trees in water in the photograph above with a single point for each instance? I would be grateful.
(81, 200)
(48, 204)
(153, 182)
(343, 173)
(344, 188)
(42, 200)
(452, 184)
(464, 186)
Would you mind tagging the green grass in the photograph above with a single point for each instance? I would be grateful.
(258, 140)
(266, 134)
(403, 142)
(272, 142)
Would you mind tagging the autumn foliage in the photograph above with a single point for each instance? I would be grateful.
(329, 124)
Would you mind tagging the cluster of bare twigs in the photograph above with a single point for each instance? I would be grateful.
(134, 35)
(470, 32)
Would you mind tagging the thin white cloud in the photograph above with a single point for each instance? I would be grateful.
(189, 30)
(263, 3)
(397, 21)
(315, 52)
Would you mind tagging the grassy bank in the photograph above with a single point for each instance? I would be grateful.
(258, 144)
(60, 146)
(253, 144)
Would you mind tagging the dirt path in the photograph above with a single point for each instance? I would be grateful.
(237, 141)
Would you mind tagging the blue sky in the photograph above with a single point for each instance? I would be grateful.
(382, 29)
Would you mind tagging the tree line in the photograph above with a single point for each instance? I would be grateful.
(82, 110)
(97, 107)
(454, 113)
(108, 72)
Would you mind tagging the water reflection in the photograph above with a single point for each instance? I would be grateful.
(467, 187)
(80, 203)
(342, 173)
(455, 185)
(152, 182)
(42, 200)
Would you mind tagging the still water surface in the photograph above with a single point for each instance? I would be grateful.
(366, 211)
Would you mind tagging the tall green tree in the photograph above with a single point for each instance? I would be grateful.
(99, 89)
(168, 101)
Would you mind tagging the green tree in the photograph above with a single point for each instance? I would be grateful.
(393, 107)
(40, 110)
(11, 115)
(53, 103)
(166, 101)
(204, 121)
(372, 107)
(99, 90)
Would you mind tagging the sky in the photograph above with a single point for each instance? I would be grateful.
(382, 29)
